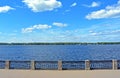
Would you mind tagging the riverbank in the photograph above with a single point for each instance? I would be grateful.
(59, 74)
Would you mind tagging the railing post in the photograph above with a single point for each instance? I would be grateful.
(87, 65)
(59, 65)
(32, 65)
(114, 65)
(7, 64)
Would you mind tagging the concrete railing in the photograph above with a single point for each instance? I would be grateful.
(61, 65)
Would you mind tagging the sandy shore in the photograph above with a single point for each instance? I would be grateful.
(59, 74)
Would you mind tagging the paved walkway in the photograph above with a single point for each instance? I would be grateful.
(59, 74)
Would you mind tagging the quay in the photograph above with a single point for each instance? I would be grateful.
(59, 74)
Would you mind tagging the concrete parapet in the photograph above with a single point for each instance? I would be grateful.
(59, 65)
(114, 64)
(7, 64)
(87, 65)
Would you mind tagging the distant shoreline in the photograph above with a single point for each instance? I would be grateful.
(61, 43)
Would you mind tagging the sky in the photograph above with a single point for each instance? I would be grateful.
(59, 21)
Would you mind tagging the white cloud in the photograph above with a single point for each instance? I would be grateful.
(42, 5)
(93, 4)
(35, 27)
(74, 4)
(112, 32)
(59, 24)
(109, 12)
(5, 9)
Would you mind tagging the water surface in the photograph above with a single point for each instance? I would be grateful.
(59, 52)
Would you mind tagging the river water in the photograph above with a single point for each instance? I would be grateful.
(59, 52)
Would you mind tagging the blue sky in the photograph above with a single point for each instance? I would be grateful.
(59, 20)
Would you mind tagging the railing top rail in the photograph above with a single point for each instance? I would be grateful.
(73, 61)
(100, 60)
(47, 61)
(19, 61)
(58, 60)
(2, 61)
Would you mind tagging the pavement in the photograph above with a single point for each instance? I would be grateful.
(6, 73)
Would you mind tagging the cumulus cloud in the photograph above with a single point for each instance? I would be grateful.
(35, 27)
(5, 9)
(74, 4)
(109, 12)
(59, 24)
(42, 5)
(93, 4)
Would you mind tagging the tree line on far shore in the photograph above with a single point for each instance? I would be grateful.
(61, 43)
